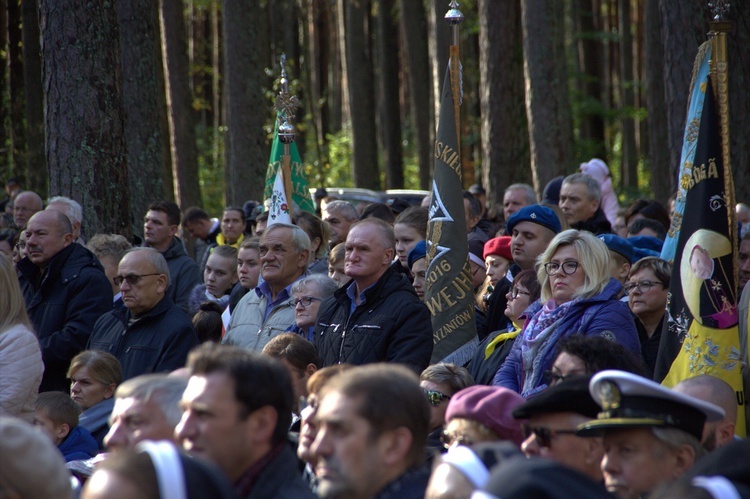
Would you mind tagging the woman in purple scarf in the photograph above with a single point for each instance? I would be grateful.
(578, 297)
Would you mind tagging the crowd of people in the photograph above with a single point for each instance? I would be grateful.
(294, 360)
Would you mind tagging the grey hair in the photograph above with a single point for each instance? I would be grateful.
(156, 259)
(528, 190)
(343, 208)
(299, 236)
(73, 209)
(165, 391)
(675, 438)
(745, 232)
(592, 186)
(323, 284)
(454, 377)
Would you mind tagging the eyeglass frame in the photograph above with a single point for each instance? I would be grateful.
(513, 293)
(310, 299)
(432, 394)
(561, 266)
(133, 280)
(647, 283)
(543, 435)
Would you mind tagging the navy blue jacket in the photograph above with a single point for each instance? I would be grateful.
(159, 341)
(79, 444)
(64, 301)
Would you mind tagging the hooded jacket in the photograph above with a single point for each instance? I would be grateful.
(392, 325)
(79, 444)
(184, 273)
(64, 300)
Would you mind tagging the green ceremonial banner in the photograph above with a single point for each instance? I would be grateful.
(449, 294)
(300, 188)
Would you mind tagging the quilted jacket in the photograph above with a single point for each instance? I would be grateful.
(392, 325)
(21, 371)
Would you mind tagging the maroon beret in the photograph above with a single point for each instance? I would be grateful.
(490, 405)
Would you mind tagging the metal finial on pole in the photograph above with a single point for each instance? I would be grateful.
(454, 18)
(719, 9)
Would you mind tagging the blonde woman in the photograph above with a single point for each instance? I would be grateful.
(578, 297)
(21, 365)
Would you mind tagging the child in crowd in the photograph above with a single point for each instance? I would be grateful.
(410, 228)
(336, 265)
(219, 276)
(56, 414)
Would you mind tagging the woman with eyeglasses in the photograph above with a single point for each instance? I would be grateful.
(439, 382)
(493, 350)
(647, 289)
(579, 297)
(307, 295)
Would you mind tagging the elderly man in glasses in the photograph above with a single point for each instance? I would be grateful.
(65, 289)
(151, 334)
(552, 419)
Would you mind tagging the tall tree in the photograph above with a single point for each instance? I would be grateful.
(247, 109)
(739, 98)
(32, 81)
(684, 24)
(179, 104)
(627, 98)
(390, 112)
(547, 105)
(505, 139)
(590, 65)
(662, 185)
(414, 29)
(85, 144)
(15, 66)
(143, 99)
(4, 114)
(439, 42)
(361, 96)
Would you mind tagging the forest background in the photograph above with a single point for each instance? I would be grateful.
(119, 103)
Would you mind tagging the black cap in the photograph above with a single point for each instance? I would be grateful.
(572, 395)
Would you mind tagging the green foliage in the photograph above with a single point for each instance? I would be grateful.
(210, 146)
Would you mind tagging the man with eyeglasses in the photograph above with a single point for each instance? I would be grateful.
(65, 289)
(151, 334)
(552, 418)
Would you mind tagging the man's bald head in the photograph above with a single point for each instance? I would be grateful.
(718, 392)
(25, 205)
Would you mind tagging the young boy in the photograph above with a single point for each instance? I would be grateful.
(57, 417)
(336, 265)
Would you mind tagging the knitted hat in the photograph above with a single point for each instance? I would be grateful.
(490, 405)
(30, 463)
(499, 246)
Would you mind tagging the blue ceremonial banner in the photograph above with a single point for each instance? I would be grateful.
(701, 333)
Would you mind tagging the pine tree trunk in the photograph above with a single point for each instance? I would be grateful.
(5, 163)
(32, 80)
(139, 42)
(179, 104)
(439, 45)
(627, 123)
(85, 142)
(739, 98)
(662, 181)
(505, 138)
(390, 111)
(15, 66)
(247, 109)
(341, 31)
(684, 24)
(361, 96)
(414, 28)
(545, 75)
